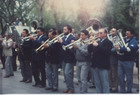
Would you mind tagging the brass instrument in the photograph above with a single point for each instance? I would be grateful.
(93, 40)
(123, 44)
(92, 27)
(54, 40)
(119, 39)
(41, 47)
(27, 38)
(69, 46)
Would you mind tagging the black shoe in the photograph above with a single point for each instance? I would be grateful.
(7, 76)
(47, 88)
(28, 81)
(93, 86)
(35, 85)
(11, 74)
(114, 90)
(55, 89)
(23, 81)
(41, 86)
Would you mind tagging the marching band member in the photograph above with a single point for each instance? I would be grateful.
(82, 64)
(113, 73)
(52, 62)
(126, 61)
(68, 58)
(38, 59)
(7, 52)
(100, 62)
(25, 56)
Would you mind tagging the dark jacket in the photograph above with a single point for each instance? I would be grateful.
(68, 54)
(129, 53)
(52, 53)
(25, 50)
(101, 54)
(40, 55)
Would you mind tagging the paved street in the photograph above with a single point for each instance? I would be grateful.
(13, 86)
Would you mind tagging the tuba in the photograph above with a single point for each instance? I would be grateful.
(93, 26)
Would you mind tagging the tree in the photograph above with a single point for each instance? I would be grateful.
(122, 14)
(10, 10)
(40, 4)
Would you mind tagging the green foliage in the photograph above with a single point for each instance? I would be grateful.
(119, 15)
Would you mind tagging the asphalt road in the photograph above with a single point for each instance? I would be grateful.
(13, 86)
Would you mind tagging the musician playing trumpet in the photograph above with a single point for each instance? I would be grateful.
(38, 59)
(100, 52)
(52, 57)
(25, 57)
(82, 64)
(68, 58)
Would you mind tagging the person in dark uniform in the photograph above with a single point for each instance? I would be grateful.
(38, 59)
(68, 58)
(52, 62)
(25, 55)
(100, 61)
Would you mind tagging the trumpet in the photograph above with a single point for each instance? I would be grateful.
(27, 38)
(69, 46)
(54, 40)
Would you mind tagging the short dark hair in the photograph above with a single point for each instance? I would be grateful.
(26, 31)
(53, 28)
(53, 32)
(69, 27)
(41, 29)
(85, 32)
(131, 31)
(105, 30)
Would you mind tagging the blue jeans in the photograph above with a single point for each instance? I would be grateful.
(82, 69)
(125, 69)
(52, 75)
(69, 75)
(101, 80)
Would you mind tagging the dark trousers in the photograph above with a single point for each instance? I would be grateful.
(14, 64)
(38, 67)
(2, 58)
(26, 69)
(14, 59)
(3, 61)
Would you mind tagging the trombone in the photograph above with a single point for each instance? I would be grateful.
(41, 47)
(54, 40)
